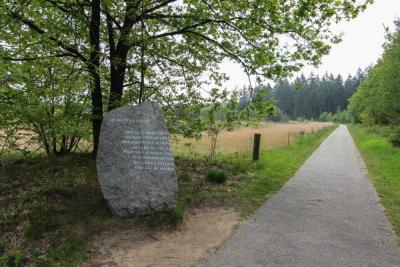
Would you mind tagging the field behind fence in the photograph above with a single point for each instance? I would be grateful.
(241, 140)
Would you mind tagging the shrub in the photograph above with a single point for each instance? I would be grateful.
(216, 176)
(14, 259)
(394, 137)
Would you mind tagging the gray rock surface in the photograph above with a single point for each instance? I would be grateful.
(135, 167)
(328, 214)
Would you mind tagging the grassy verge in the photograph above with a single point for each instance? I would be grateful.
(382, 160)
(250, 183)
(50, 208)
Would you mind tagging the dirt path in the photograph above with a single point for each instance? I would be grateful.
(328, 214)
(203, 231)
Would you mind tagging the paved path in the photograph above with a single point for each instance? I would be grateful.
(327, 215)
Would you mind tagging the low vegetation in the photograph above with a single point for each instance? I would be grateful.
(338, 117)
(382, 160)
(51, 207)
(216, 176)
(394, 137)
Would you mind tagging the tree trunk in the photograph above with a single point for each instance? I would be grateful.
(118, 57)
(94, 65)
(117, 75)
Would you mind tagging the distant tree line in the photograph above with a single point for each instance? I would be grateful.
(310, 97)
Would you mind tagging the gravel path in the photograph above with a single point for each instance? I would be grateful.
(327, 215)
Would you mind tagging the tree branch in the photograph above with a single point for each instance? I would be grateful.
(37, 58)
(40, 31)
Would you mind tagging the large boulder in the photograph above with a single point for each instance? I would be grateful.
(135, 167)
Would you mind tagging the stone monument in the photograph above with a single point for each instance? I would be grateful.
(135, 167)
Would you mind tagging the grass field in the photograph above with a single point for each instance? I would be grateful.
(383, 163)
(51, 208)
(240, 140)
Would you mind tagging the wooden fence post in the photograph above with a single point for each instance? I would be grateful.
(256, 147)
(288, 139)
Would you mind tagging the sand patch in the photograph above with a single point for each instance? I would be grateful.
(203, 231)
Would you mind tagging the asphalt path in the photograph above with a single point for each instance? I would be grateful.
(328, 214)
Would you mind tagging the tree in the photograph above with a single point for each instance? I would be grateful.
(311, 96)
(223, 112)
(377, 98)
(158, 49)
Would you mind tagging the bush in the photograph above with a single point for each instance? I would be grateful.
(339, 117)
(394, 137)
(216, 176)
(325, 116)
(54, 112)
(14, 259)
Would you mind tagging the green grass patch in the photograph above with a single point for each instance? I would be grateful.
(48, 209)
(383, 163)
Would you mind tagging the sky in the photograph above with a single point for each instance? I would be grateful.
(361, 45)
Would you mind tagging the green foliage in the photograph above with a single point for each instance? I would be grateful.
(382, 160)
(338, 117)
(377, 100)
(223, 112)
(394, 137)
(14, 259)
(216, 176)
(326, 116)
(46, 101)
(153, 51)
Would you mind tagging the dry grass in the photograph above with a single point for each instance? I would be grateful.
(241, 140)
